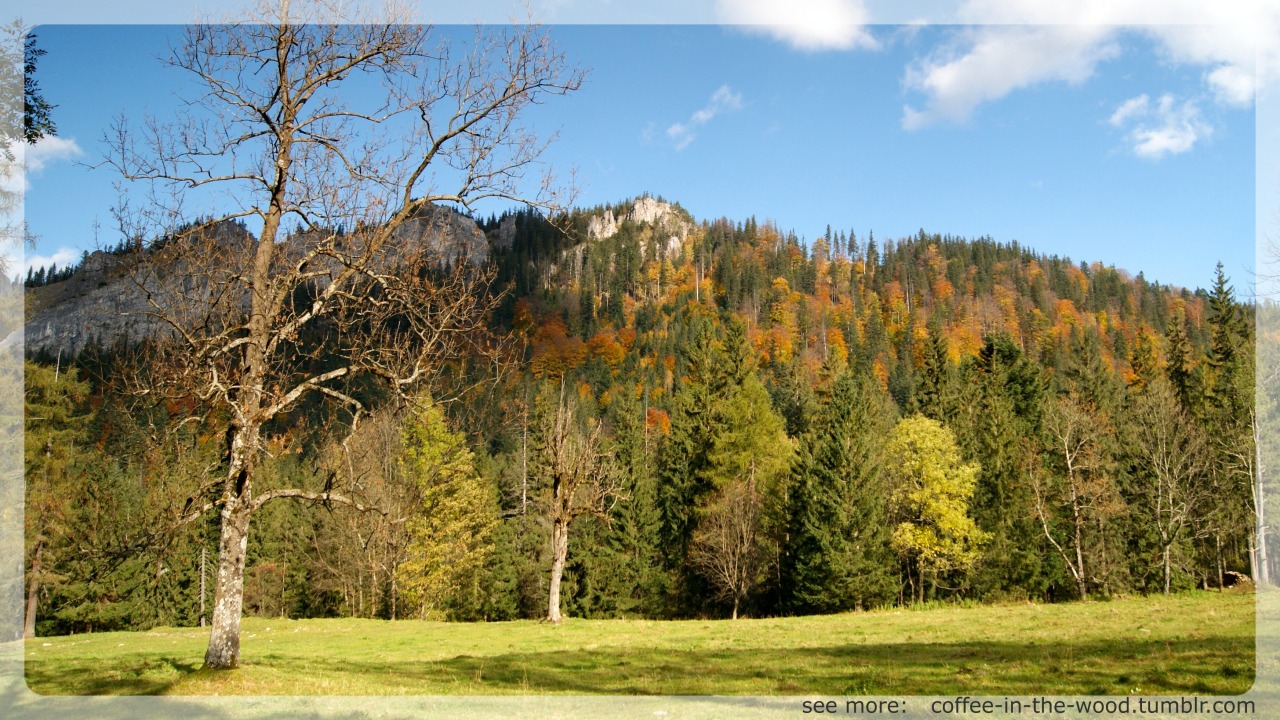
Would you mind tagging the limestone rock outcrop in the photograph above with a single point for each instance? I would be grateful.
(103, 300)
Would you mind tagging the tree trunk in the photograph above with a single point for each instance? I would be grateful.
(1080, 576)
(559, 553)
(735, 607)
(1262, 575)
(1166, 569)
(1253, 561)
(228, 597)
(1079, 528)
(203, 553)
(33, 594)
(1217, 541)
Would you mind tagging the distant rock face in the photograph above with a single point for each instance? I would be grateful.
(449, 234)
(102, 300)
(98, 301)
(648, 210)
(664, 218)
(506, 235)
(602, 226)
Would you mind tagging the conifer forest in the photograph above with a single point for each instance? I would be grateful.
(714, 421)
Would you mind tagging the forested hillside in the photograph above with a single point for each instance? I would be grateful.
(688, 418)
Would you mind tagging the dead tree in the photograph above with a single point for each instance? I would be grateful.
(336, 280)
(727, 546)
(581, 480)
(1084, 490)
(1175, 455)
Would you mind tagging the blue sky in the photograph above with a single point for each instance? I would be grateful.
(1098, 145)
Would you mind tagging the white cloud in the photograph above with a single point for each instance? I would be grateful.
(646, 133)
(1130, 108)
(1166, 128)
(1231, 40)
(680, 135)
(30, 159)
(724, 99)
(804, 24)
(988, 63)
(48, 150)
(1232, 85)
(63, 256)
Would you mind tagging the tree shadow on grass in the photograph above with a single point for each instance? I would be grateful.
(1199, 666)
(148, 676)
(1215, 666)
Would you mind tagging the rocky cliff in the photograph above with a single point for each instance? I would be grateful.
(670, 225)
(665, 219)
(104, 300)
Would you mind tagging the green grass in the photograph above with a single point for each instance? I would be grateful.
(1200, 643)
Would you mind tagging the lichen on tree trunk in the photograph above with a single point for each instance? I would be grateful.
(559, 554)
(224, 635)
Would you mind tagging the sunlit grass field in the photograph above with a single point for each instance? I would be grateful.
(1198, 643)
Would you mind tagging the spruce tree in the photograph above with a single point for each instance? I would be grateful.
(1180, 368)
(933, 393)
(839, 556)
(1228, 417)
(682, 463)
(997, 419)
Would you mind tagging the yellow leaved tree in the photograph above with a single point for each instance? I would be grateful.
(450, 534)
(929, 501)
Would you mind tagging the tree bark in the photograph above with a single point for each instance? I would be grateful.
(559, 553)
(1217, 540)
(33, 595)
(1262, 572)
(1079, 528)
(228, 598)
(1166, 569)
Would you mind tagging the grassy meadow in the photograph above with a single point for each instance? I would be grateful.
(1200, 643)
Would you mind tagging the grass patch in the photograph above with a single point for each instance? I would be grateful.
(1199, 643)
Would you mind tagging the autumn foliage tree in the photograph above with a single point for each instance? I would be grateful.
(728, 545)
(929, 500)
(449, 530)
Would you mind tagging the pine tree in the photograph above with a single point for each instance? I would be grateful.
(682, 461)
(1228, 333)
(56, 425)
(997, 419)
(933, 393)
(839, 556)
(1180, 369)
(633, 540)
(1228, 415)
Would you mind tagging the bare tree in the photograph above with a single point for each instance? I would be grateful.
(357, 553)
(727, 547)
(255, 321)
(1084, 490)
(582, 481)
(1262, 428)
(1175, 452)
